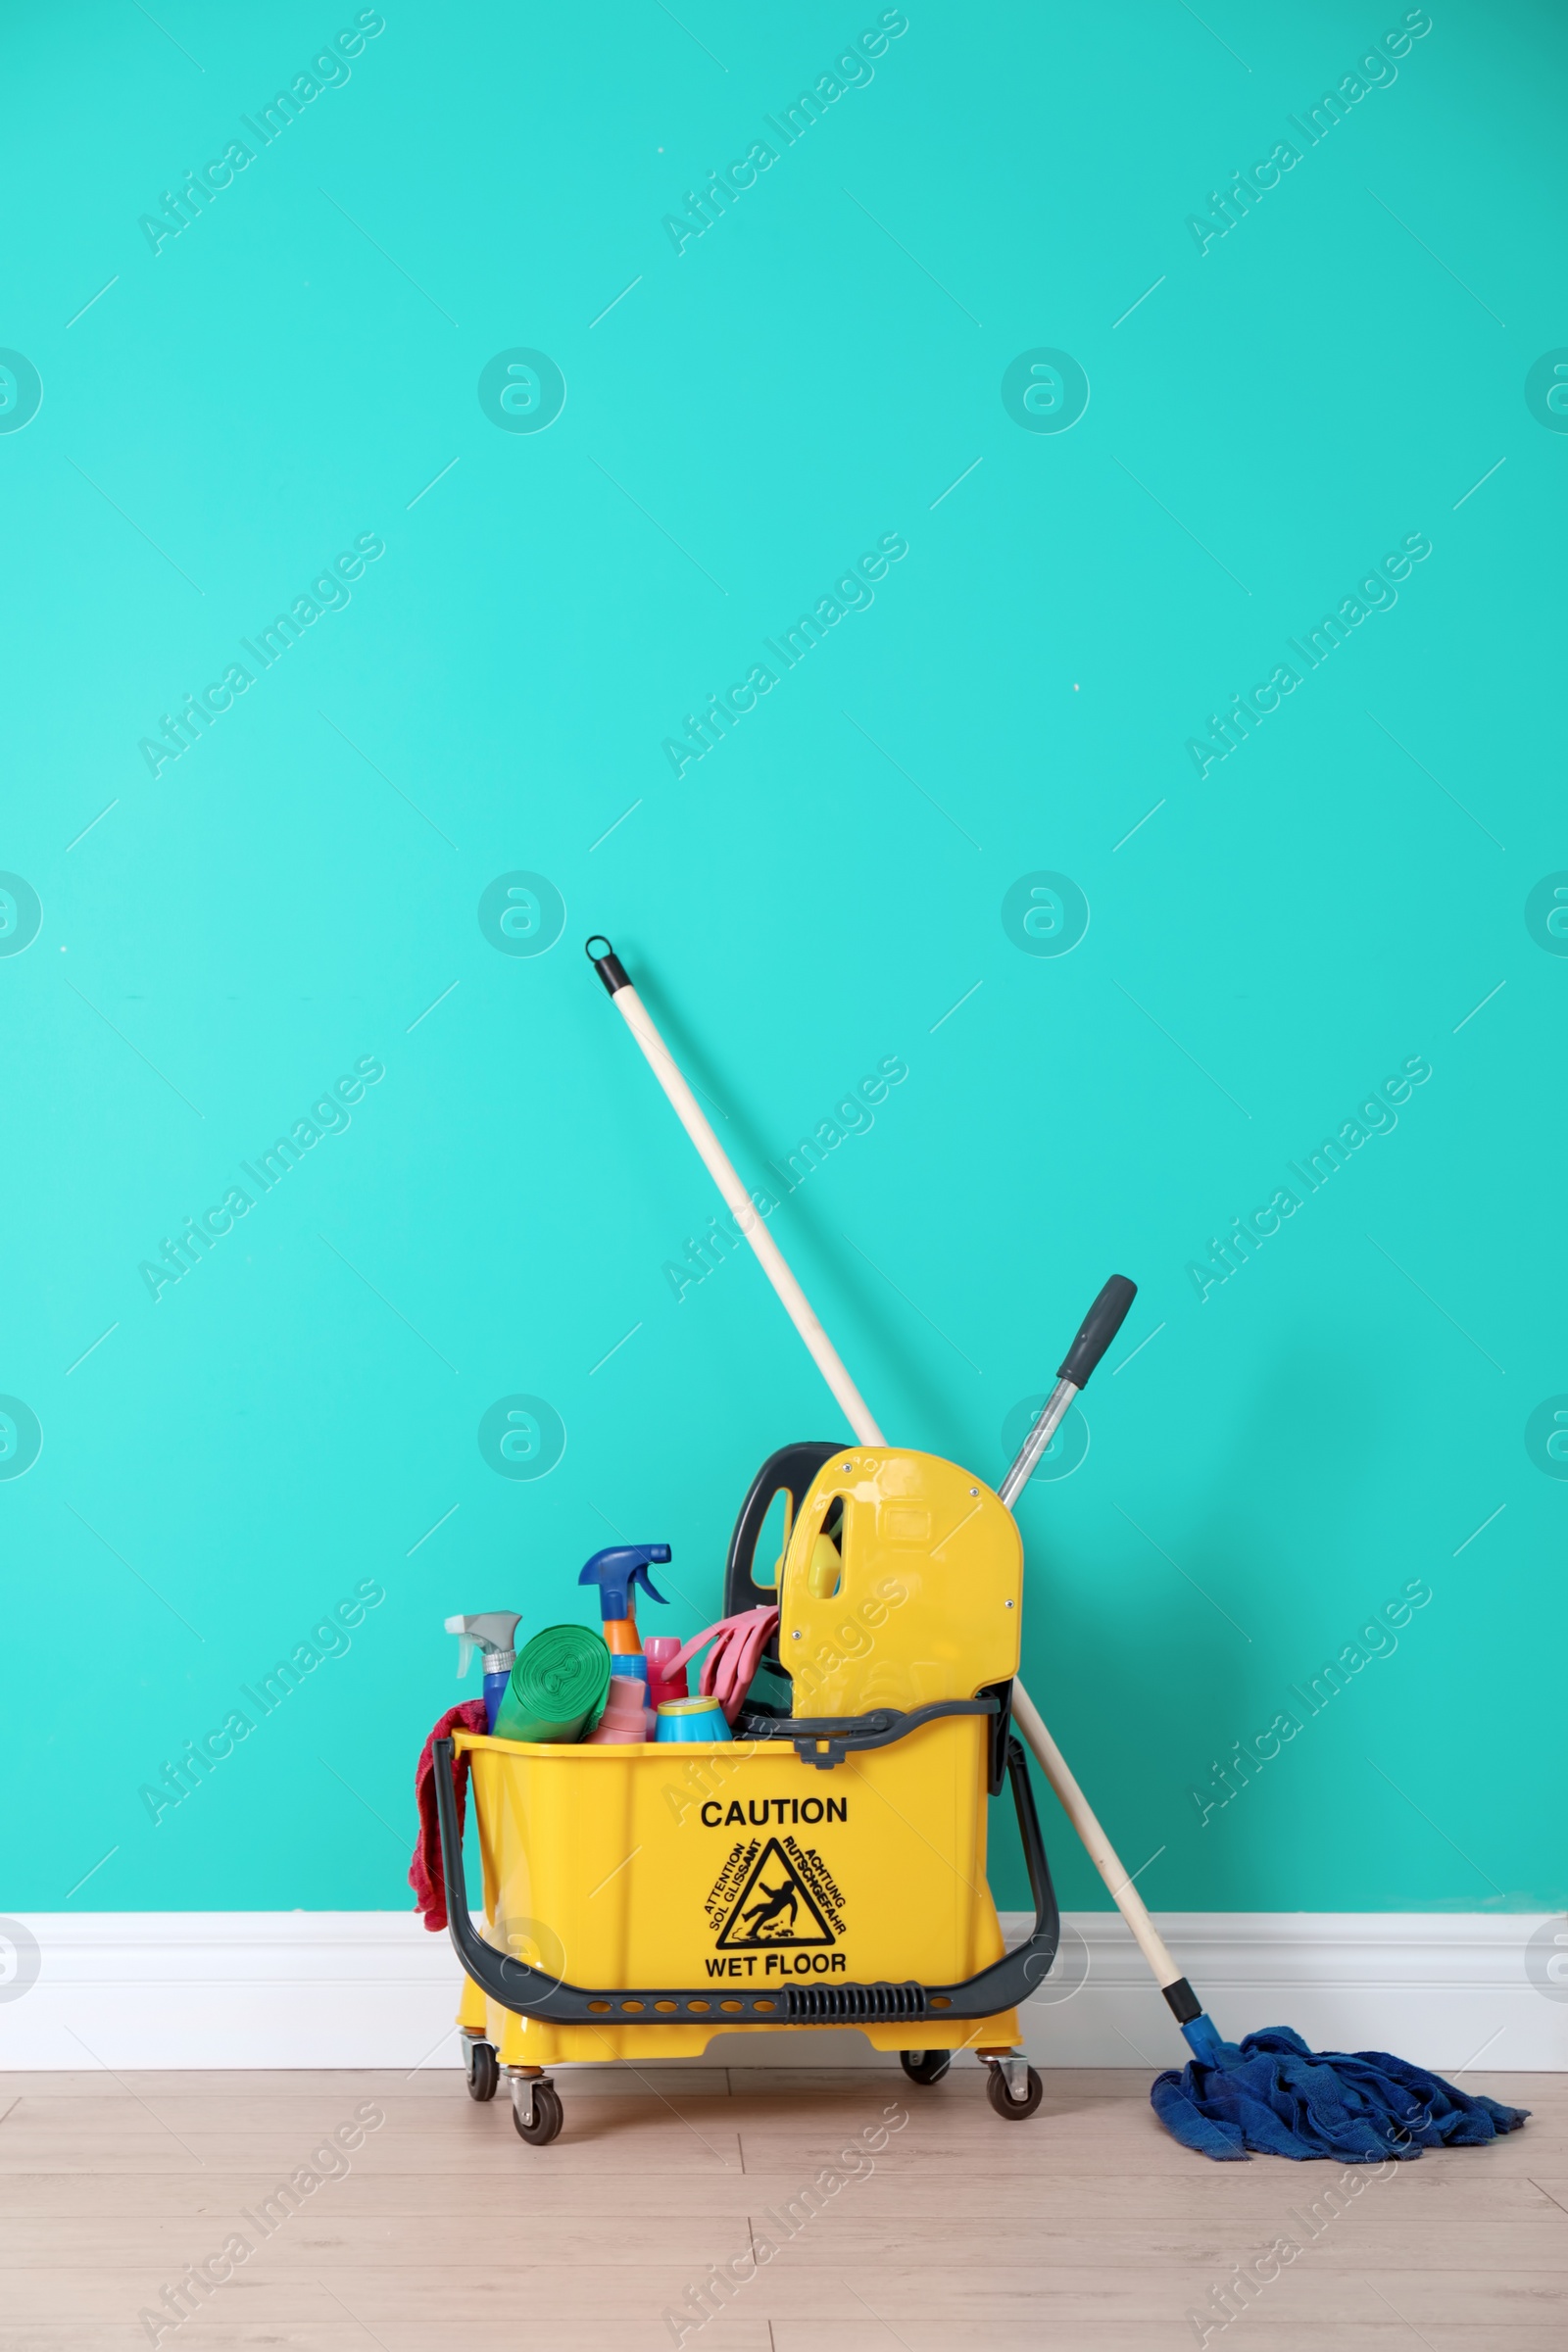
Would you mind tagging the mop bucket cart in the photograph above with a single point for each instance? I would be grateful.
(826, 1867)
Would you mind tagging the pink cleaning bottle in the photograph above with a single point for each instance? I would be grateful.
(624, 1721)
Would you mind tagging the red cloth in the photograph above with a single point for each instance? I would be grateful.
(425, 1875)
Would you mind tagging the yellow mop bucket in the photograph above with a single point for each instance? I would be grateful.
(826, 1868)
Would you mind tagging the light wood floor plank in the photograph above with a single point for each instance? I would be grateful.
(788, 2336)
(503, 2187)
(1087, 2230)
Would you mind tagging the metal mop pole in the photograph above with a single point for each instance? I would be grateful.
(1100, 1328)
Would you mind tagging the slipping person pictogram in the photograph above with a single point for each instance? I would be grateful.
(775, 1906)
(765, 1913)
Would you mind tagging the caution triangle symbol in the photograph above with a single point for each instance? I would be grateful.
(775, 1908)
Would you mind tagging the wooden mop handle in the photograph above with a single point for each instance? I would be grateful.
(737, 1199)
(1097, 1845)
(1052, 1763)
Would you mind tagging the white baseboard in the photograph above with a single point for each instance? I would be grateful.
(373, 1988)
(1444, 1990)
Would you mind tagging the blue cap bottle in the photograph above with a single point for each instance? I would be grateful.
(619, 1573)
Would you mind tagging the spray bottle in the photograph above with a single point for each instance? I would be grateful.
(617, 1572)
(494, 1633)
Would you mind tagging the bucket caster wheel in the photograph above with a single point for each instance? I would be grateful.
(1015, 2089)
(925, 2066)
(483, 2073)
(536, 2110)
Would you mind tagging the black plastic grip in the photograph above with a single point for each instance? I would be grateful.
(792, 1468)
(1097, 1329)
(611, 971)
(1182, 2001)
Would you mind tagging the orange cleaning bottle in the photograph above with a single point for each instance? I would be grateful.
(617, 1572)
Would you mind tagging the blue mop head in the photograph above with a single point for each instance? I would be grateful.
(1270, 2093)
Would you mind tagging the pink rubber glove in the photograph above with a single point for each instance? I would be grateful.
(728, 1669)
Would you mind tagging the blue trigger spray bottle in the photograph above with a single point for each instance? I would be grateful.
(494, 1634)
(617, 1572)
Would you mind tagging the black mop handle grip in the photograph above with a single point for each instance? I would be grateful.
(611, 971)
(1097, 1329)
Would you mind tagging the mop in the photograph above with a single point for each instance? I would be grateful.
(1269, 2091)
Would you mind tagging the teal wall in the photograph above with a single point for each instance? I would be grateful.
(297, 896)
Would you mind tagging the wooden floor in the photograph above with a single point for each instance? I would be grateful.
(1085, 2227)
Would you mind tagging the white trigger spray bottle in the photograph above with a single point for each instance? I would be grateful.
(494, 1634)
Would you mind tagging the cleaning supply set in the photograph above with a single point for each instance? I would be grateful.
(568, 1683)
(615, 1689)
(761, 1884)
